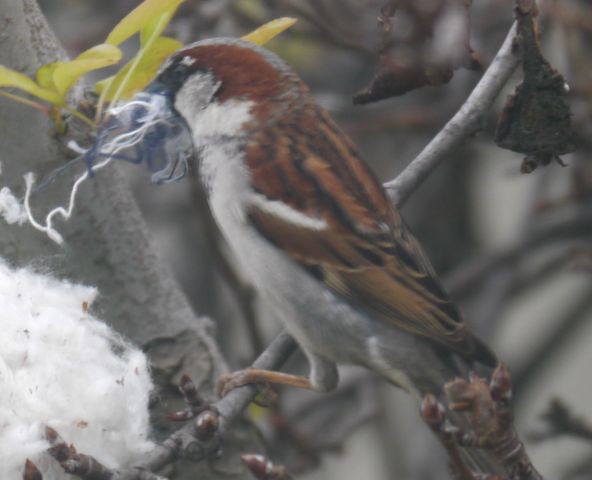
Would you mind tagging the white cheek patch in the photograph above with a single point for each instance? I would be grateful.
(204, 115)
(215, 119)
(288, 214)
(196, 93)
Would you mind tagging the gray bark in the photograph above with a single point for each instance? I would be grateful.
(107, 242)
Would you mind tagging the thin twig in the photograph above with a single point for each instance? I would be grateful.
(469, 276)
(229, 409)
(433, 414)
(87, 467)
(328, 30)
(573, 319)
(319, 424)
(561, 421)
(498, 288)
(466, 122)
(486, 408)
(195, 441)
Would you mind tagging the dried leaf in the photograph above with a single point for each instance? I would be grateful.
(395, 79)
(536, 119)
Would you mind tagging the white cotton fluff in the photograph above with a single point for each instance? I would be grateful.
(63, 368)
(11, 208)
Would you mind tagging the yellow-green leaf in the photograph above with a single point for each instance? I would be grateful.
(65, 74)
(266, 32)
(102, 51)
(156, 25)
(141, 17)
(12, 78)
(44, 75)
(145, 70)
(257, 412)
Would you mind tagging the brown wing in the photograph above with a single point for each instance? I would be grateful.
(364, 252)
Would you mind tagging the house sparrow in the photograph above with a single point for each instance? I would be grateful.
(311, 225)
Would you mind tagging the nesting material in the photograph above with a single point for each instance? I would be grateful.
(62, 367)
(144, 130)
(11, 209)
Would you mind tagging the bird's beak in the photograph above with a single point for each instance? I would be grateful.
(157, 88)
(148, 129)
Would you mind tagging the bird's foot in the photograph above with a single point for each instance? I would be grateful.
(263, 379)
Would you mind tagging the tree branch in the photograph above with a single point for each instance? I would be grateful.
(187, 441)
(108, 244)
(490, 421)
(470, 275)
(466, 122)
(116, 254)
(575, 317)
(196, 441)
(561, 421)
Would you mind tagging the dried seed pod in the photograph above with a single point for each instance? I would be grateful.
(536, 119)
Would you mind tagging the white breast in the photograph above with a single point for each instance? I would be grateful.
(297, 298)
(319, 321)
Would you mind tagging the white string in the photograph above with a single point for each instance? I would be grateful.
(155, 106)
(65, 213)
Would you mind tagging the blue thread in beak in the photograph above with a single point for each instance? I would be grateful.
(145, 130)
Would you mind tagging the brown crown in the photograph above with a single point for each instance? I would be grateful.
(246, 72)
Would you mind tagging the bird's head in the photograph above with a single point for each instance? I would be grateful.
(206, 94)
(222, 87)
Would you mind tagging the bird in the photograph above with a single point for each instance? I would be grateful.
(311, 225)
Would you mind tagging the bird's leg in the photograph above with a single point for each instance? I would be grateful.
(257, 376)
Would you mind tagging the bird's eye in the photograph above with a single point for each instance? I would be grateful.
(174, 76)
(180, 71)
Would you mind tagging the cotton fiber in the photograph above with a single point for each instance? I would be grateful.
(62, 367)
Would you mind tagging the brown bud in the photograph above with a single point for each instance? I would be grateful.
(31, 471)
(432, 411)
(460, 393)
(206, 425)
(501, 384)
(181, 416)
(59, 449)
(190, 394)
(263, 469)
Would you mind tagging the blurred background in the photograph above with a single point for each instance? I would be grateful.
(513, 249)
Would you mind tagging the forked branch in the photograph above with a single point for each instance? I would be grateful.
(466, 122)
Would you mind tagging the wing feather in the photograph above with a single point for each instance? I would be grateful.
(365, 254)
